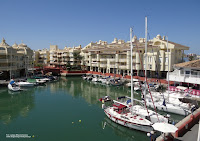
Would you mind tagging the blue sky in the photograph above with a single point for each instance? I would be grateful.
(40, 23)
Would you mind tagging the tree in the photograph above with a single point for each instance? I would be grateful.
(68, 66)
(77, 58)
(191, 58)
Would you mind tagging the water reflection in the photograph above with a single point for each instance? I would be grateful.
(89, 91)
(122, 131)
(13, 105)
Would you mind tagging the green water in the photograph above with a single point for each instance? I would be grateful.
(67, 110)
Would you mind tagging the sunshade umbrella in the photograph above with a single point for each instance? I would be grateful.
(165, 127)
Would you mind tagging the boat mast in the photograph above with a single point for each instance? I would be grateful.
(11, 63)
(168, 68)
(25, 65)
(131, 30)
(145, 57)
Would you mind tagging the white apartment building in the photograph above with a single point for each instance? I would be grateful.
(64, 57)
(187, 72)
(42, 57)
(115, 57)
(16, 59)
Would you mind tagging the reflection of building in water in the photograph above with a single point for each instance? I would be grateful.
(12, 106)
(89, 91)
(92, 92)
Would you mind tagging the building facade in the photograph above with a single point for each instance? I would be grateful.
(15, 60)
(64, 58)
(116, 56)
(187, 72)
(42, 57)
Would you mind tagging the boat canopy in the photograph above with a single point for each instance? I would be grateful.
(181, 87)
(12, 82)
(119, 106)
(128, 101)
(136, 80)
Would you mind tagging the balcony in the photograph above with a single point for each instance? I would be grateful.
(103, 59)
(3, 52)
(94, 59)
(122, 66)
(112, 60)
(122, 60)
(94, 64)
(103, 65)
(8, 68)
(112, 66)
(4, 60)
(65, 55)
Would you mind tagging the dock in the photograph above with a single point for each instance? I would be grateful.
(187, 129)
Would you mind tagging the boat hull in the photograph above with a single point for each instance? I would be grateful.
(144, 128)
(14, 89)
(25, 84)
(169, 108)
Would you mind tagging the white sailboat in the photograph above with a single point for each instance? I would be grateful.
(136, 83)
(12, 86)
(161, 102)
(122, 114)
(130, 115)
(141, 110)
(25, 83)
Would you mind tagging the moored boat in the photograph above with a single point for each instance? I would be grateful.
(25, 83)
(12, 86)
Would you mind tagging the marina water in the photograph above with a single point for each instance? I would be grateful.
(66, 110)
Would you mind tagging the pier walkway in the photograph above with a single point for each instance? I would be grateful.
(191, 135)
(187, 129)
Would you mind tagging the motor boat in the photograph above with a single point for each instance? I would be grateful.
(24, 83)
(12, 86)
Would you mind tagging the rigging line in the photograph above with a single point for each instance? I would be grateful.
(157, 74)
(140, 83)
(146, 82)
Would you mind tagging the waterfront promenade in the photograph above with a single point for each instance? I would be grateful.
(187, 129)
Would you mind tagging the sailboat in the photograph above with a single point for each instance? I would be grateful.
(25, 83)
(162, 103)
(12, 86)
(131, 115)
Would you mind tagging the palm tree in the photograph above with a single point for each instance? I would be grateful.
(191, 58)
(77, 58)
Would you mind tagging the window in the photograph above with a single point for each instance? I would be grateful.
(20, 49)
(187, 72)
(166, 60)
(2, 48)
(194, 72)
(160, 59)
(182, 72)
(150, 67)
(144, 66)
(150, 59)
